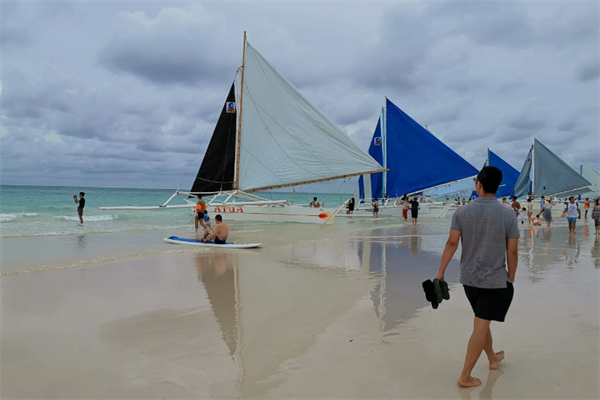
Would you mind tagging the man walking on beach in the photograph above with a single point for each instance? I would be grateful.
(490, 241)
(572, 210)
(81, 203)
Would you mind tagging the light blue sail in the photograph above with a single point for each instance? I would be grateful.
(546, 174)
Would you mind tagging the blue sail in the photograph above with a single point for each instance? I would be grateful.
(416, 159)
(509, 175)
(375, 151)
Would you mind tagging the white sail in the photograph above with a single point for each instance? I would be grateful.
(593, 176)
(285, 139)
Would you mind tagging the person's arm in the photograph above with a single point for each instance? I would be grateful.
(75, 198)
(512, 257)
(579, 211)
(449, 250)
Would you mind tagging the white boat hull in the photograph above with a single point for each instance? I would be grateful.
(268, 213)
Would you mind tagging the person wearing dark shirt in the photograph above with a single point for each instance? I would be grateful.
(81, 203)
(414, 210)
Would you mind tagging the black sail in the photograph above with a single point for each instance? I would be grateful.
(218, 166)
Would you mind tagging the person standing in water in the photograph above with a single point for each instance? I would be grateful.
(414, 210)
(596, 217)
(405, 208)
(350, 207)
(547, 209)
(201, 208)
(515, 205)
(529, 209)
(586, 206)
(489, 233)
(81, 203)
(573, 212)
(375, 208)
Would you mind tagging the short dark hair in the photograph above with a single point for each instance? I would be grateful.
(314, 198)
(572, 197)
(514, 197)
(219, 218)
(199, 196)
(81, 193)
(490, 178)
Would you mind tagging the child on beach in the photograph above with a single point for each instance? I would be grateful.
(522, 215)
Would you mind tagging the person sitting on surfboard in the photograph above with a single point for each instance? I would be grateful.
(208, 230)
(219, 235)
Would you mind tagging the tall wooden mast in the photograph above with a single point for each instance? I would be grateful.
(239, 131)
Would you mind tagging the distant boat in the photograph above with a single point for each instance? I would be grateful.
(269, 136)
(545, 174)
(416, 161)
(509, 175)
(593, 176)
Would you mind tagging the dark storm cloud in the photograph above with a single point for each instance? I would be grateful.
(588, 71)
(174, 48)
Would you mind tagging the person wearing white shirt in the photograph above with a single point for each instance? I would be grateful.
(573, 212)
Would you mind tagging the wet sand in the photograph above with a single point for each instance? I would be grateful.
(338, 318)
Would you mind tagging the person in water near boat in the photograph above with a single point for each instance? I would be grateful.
(350, 207)
(220, 233)
(522, 216)
(596, 216)
(529, 209)
(515, 205)
(487, 249)
(414, 210)
(405, 208)
(573, 213)
(81, 203)
(375, 208)
(586, 206)
(547, 210)
(199, 211)
(315, 203)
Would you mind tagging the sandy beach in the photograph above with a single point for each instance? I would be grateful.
(335, 316)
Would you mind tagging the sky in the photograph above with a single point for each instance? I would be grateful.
(117, 94)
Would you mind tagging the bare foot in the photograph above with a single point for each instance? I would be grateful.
(468, 382)
(498, 359)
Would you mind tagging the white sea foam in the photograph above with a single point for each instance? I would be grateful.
(7, 217)
(29, 214)
(91, 218)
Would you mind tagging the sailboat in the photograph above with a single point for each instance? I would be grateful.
(415, 161)
(509, 175)
(589, 173)
(545, 174)
(269, 136)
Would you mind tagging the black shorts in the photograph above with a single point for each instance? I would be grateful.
(80, 212)
(219, 241)
(490, 304)
(415, 213)
(200, 215)
(375, 209)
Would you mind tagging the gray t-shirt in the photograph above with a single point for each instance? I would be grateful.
(485, 226)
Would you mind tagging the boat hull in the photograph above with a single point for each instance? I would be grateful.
(266, 213)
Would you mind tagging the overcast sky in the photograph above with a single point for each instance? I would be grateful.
(115, 94)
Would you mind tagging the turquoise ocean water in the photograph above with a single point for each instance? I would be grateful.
(50, 211)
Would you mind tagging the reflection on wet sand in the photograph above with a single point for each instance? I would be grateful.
(270, 315)
(399, 270)
(486, 392)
